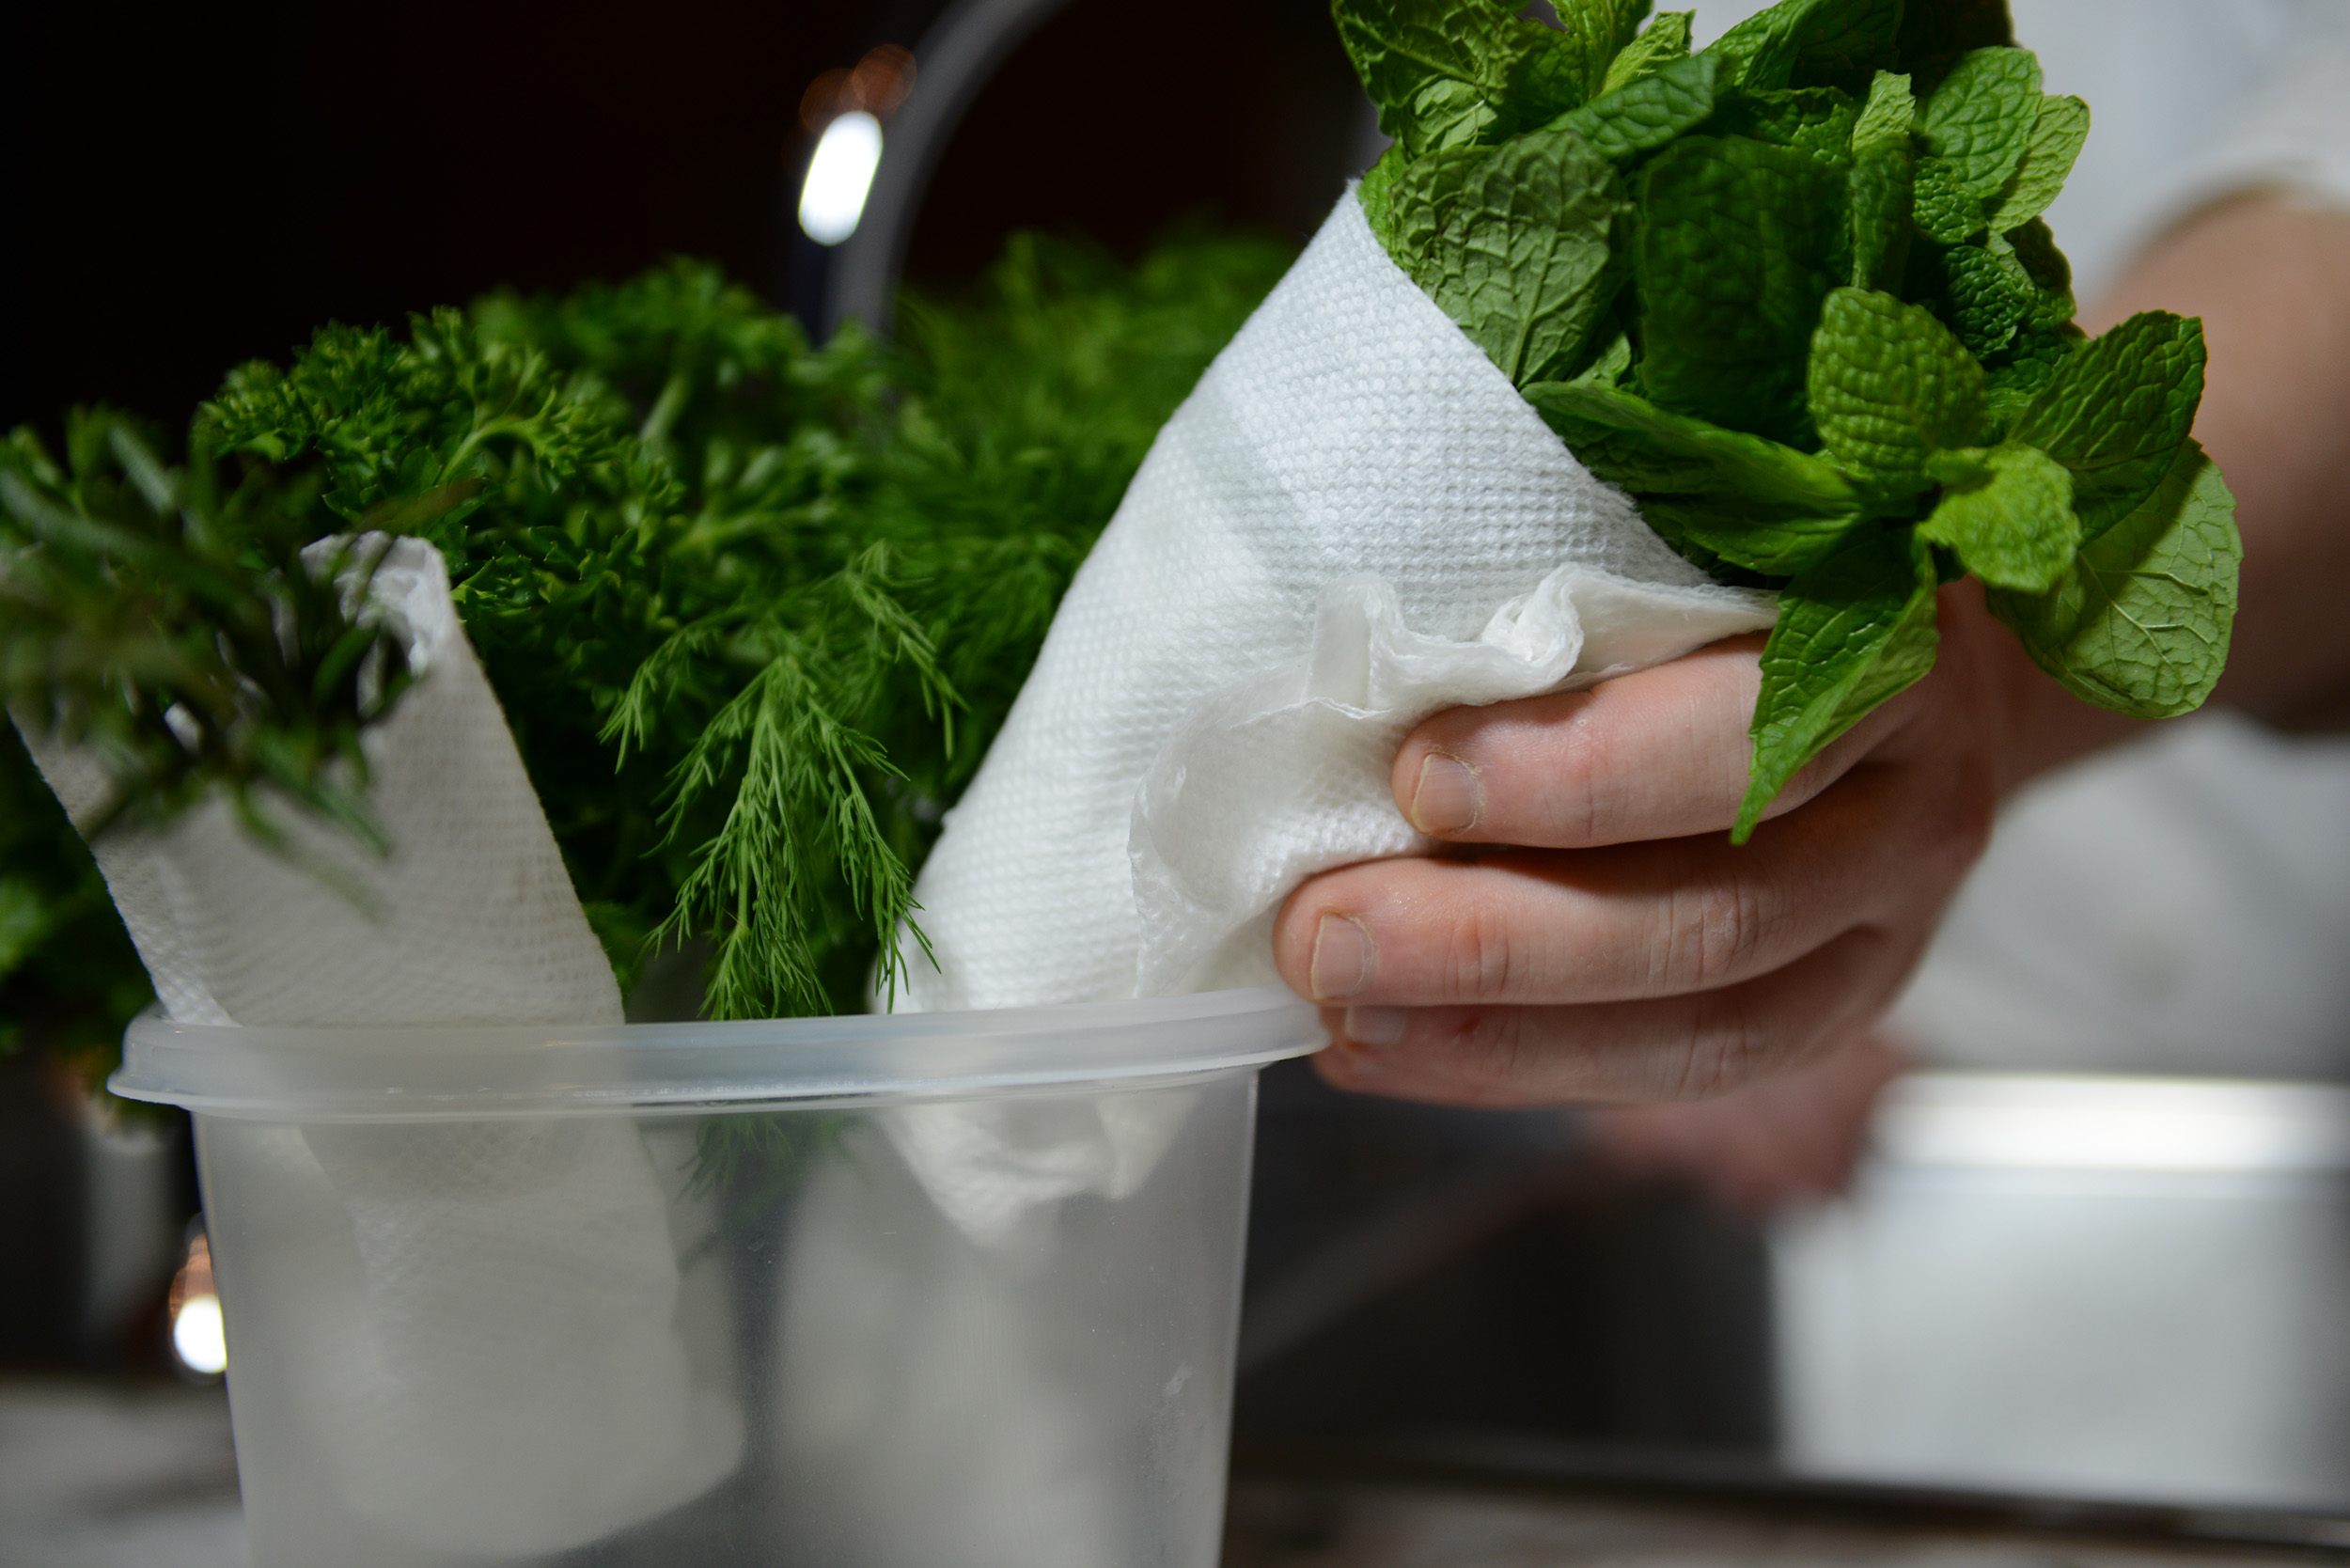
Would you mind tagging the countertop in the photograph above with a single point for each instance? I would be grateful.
(106, 1475)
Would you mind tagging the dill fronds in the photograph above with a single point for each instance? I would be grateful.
(753, 608)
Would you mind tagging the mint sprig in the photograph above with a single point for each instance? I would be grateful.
(1795, 293)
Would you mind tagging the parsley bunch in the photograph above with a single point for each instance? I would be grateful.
(1794, 294)
(753, 608)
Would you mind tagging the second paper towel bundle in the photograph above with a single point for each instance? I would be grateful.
(486, 1354)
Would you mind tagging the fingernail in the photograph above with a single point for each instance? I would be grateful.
(1448, 798)
(1377, 1026)
(1342, 957)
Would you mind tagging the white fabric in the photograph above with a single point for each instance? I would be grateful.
(1353, 522)
(488, 1255)
(2177, 906)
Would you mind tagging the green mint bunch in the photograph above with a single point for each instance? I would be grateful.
(1794, 294)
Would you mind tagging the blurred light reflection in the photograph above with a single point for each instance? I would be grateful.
(840, 176)
(2057, 1123)
(198, 1336)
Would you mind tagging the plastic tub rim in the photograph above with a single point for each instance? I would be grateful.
(408, 1074)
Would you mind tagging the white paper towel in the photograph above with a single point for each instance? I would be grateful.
(1353, 522)
(450, 1396)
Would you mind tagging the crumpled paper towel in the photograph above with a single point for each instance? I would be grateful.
(1353, 522)
(450, 1393)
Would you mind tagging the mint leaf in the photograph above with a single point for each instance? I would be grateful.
(1843, 42)
(2031, 364)
(2043, 268)
(1669, 452)
(1611, 362)
(1981, 118)
(1439, 69)
(1565, 67)
(1947, 212)
(1663, 40)
(1772, 543)
(1890, 387)
(2056, 141)
(1377, 194)
(1853, 631)
(1740, 242)
(1879, 193)
(1512, 242)
(1649, 112)
(1888, 116)
(1985, 297)
(1760, 52)
(2115, 411)
(2010, 522)
(1752, 502)
(1805, 43)
(2141, 622)
(1818, 120)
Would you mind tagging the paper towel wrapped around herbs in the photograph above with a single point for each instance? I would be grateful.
(452, 1404)
(1353, 522)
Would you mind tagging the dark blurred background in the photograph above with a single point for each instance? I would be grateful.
(189, 187)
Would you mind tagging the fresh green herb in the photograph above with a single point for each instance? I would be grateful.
(168, 620)
(69, 978)
(752, 608)
(1793, 292)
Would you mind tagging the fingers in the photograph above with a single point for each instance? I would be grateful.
(1792, 1137)
(1631, 922)
(1659, 754)
(1678, 1048)
(1631, 952)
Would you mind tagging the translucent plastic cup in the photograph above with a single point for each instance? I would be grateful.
(931, 1291)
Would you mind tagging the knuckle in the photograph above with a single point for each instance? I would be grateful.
(1726, 1050)
(1714, 934)
(1496, 1054)
(1481, 959)
(1575, 809)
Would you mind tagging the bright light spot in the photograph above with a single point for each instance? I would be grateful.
(197, 1336)
(2057, 1122)
(839, 176)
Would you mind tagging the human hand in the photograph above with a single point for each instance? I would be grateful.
(1777, 1142)
(1597, 937)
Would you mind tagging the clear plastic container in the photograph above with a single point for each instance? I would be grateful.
(931, 1291)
